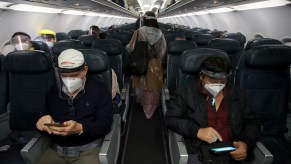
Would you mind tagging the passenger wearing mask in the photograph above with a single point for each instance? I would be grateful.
(83, 109)
(94, 30)
(148, 86)
(48, 37)
(211, 111)
(21, 41)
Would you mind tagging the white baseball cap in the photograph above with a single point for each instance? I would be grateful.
(70, 60)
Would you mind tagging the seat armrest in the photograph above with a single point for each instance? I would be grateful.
(125, 96)
(110, 147)
(34, 148)
(4, 125)
(165, 95)
(262, 154)
(178, 152)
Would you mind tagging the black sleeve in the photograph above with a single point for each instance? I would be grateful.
(104, 114)
(175, 115)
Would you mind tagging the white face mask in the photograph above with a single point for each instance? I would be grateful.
(23, 46)
(72, 84)
(50, 44)
(214, 89)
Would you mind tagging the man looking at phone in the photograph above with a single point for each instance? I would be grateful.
(79, 113)
(212, 110)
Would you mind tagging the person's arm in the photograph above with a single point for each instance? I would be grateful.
(101, 125)
(115, 86)
(175, 115)
(131, 44)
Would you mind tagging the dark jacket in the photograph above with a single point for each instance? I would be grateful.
(187, 112)
(93, 110)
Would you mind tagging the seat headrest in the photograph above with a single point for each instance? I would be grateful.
(110, 46)
(202, 39)
(216, 34)
(96, 60)
(227, 45)
(269, 56)
(123, 39)
(38, 45)
(87, 40)
(62, 36)
(191, 59)
(237, 36)
(262, 41)
(27, 62)
(66, 44)
(76, 33)
(178, 46)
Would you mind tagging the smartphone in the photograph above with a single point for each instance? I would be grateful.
(222, 149)
(57, 124)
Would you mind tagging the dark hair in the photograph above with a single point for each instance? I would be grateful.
(150, 22)
(216, 64)
(20, 33)
(94, 27)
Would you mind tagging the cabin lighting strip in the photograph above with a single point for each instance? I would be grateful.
(250, 6)
(31, 8)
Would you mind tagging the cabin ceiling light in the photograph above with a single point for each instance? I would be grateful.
(220, 10)
(201, 13)
(3, 5)
(23, 7)
(73, 12)
(263, 4)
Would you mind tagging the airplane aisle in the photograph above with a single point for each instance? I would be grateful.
(144, 141)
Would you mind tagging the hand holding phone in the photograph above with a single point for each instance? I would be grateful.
(56, 124)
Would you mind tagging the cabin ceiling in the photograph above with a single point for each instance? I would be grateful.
(108, 7)
(187, 6)
(99, 6)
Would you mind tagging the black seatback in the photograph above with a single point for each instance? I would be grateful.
(76, 33)
(232, 48)
(38, 45)
(237, 36)
(3, 88)
(87, 40)
(62, 36)
(191, 61)
(124, 39)
(261, 41)
(31, 76)
(98, 66)
(216, 33)
(114, 50)
(175, 50)
(64, 45)
(264, 73)
(171, 37)
(202, 39)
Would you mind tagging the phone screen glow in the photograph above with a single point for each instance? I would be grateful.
(223, 149)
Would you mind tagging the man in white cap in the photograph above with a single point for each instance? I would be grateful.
(76, 120)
